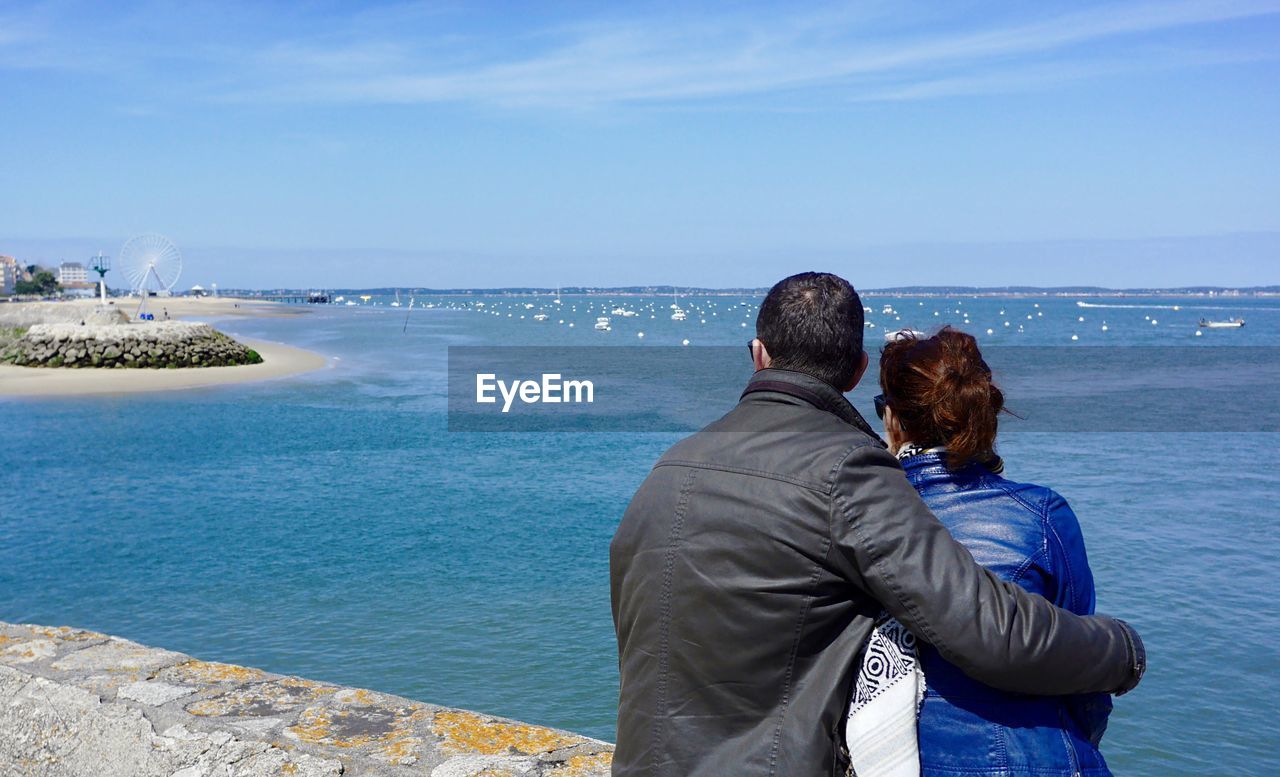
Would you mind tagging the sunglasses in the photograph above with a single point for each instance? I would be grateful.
(879, 401)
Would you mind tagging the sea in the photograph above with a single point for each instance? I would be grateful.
(331, 525)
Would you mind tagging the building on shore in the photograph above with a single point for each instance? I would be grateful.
(10, 274)
(72, 272)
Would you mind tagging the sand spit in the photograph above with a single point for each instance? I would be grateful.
(278, 361)
(25, 314)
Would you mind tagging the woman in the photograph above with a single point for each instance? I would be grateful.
(940, 410)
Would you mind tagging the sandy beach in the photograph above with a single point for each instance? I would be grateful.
(14, 314)
(278, 360)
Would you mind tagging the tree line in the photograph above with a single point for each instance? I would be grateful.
(43, 283)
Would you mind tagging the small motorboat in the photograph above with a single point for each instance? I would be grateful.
(1230, 323)
(602, 324)
(679, 315)
(540, 317)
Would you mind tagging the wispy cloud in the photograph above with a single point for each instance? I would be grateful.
(415, 54)
(673, 60)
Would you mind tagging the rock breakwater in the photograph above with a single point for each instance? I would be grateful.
(81, 704)
(143, 344)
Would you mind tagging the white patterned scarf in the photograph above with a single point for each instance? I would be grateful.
(881, 728)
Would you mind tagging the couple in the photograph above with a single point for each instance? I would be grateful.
(763, 554)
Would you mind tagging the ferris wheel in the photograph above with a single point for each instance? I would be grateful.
(150, 262)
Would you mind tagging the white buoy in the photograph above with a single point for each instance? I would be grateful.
(1154, 322)
(1105, 327)
(639, 334)
(1075, 337)
(1080, 319)
(991, 331)
(1199, 333)
(684, 342)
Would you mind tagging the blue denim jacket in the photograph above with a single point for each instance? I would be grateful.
(1026, 534)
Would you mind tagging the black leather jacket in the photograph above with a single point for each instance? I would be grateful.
(746, 575)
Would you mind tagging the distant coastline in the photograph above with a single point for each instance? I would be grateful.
(893, 291)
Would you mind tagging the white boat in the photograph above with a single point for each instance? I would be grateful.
(396, 304)
(679, 314)
(351, 303)
(602, 324)
(1231, 323)
(540, 317)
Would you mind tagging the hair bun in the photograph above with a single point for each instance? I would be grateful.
(942, 393)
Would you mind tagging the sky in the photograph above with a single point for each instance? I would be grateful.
(469, 144)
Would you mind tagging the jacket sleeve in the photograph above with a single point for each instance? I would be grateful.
(1073, 582)
(995, 631)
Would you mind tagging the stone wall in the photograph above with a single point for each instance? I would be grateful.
(147, 344)
(77, 703)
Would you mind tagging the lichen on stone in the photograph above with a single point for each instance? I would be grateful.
(467, 732)
(196, 671)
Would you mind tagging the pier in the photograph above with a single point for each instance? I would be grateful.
(299, 298)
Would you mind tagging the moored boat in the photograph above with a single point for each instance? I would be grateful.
(1231, 323)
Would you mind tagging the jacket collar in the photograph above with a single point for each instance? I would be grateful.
(818, 393)
(933, 463)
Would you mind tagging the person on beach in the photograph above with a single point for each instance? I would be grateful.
(752, 564)
(940, 409)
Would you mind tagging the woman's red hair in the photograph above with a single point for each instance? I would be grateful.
(940, 391)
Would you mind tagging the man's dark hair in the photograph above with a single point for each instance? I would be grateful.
(812, 323)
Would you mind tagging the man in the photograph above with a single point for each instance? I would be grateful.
(750, 566)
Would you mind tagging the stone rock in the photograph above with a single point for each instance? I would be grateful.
(153, 693)
(149, 344)
(76, 703)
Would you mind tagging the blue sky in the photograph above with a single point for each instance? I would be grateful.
(465, 144)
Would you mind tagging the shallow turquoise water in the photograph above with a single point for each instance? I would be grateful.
(330, 526)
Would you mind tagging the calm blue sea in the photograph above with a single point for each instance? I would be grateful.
(330, 526)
